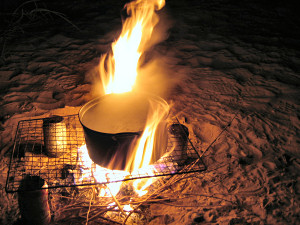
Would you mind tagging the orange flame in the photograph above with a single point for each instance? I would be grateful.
(119, 69)
(100, 174)
(143, 151)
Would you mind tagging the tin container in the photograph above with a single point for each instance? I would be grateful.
(33, 201)
(55, 136)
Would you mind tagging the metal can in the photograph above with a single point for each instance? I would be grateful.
(178, 134)
(33, 201)
(55, 136)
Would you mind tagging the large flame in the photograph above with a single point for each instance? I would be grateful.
(119, 69)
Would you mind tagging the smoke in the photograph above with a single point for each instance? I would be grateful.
(156, 72)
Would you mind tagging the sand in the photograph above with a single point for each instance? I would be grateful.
(226, 60)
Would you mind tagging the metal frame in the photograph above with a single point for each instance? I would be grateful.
(60, 165)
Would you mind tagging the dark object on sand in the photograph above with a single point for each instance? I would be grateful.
(33, 201)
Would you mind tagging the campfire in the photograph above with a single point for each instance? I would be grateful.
(126, 129)
(124, 135)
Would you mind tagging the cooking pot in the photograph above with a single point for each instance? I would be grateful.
(113, 123)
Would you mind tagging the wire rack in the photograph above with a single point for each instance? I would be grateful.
(53, 149)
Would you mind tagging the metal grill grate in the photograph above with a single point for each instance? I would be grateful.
(49, 149)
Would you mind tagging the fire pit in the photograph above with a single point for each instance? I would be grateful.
(114, 123)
